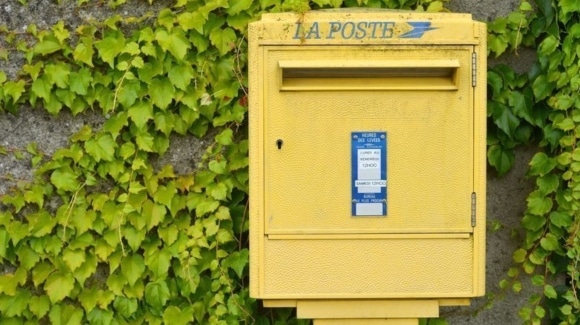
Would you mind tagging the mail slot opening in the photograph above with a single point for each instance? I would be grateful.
(364, 75)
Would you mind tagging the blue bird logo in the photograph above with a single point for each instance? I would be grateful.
(419, 28)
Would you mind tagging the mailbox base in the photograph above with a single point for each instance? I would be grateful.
(400, 321)
(371, 312)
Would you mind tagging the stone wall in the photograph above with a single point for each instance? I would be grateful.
(506, 195)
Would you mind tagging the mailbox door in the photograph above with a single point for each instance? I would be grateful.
(317, 98)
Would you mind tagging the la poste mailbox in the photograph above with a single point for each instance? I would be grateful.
(367, 161)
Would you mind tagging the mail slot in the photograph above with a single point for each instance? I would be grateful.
(367, 157)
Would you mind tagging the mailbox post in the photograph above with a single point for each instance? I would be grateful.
(367, 164)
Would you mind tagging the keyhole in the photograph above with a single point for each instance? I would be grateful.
(279, 143)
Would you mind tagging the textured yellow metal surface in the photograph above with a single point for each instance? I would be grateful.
(344, 309)
(379, 268)
(400, 321)
(429, 149)
(315, 79)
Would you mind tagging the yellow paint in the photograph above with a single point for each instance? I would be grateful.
(315, 79)
(394, 321)
(344, 309)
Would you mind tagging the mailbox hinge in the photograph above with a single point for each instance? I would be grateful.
(473, 69)
(473, 207)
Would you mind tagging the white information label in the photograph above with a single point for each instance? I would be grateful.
(379, 182)
(369, 168)
(369, 209)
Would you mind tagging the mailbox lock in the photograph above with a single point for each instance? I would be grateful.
(279, 143)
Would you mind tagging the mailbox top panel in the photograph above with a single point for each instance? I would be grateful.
(358, 27)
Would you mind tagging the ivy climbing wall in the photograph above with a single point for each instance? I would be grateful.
(123, 162)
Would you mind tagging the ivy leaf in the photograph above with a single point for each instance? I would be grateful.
(58, 74)
(129, 92)
(59, 285)
(548, 183)
(126, 306)
(164, 122)
(132, 268)
(157, 294)
(84, 51)
(192, 20)
(65, 314)
(161, 92)
(560, 219)
(11, 306)
(435, 6)
(99, 316)
(495, 80)
(8, 284)
(153, 213)
(223, 39)
(127, 150)
(14, 89)
(533, 222)
(88, 298)
(500, 158)
(158, 262)
(497, 43)
(141, 113)
(548, 45)
(169, 234)
(238, 6)
(165, 194)
(49, 44)
(176, 42)
(237, 261)
(133, 236)
(542, 87)
(520, 255)
(175, 316)
(550, 242)
(206, 206)
(64, 179)
(211, 226)
(60, 32)
(87, 269)
(109, 47)
(73, 258)
(101, 148)
(539, 204)
(39, 305)
(181, 75)
(541, 164)
(80, 81)
(504, 118)
(145, 141)
(41, 87)
(115, 124)
(218, 167)
(40, 272)
(550, 292)
(83, 134)
(225, 137)
(218, 191)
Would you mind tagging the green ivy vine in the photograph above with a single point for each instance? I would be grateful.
(102, 235)
(542, 106)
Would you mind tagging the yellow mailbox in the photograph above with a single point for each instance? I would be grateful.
(367, 163)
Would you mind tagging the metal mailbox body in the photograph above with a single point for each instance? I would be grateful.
(367, 155)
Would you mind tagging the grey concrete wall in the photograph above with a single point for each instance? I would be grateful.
(506, 195)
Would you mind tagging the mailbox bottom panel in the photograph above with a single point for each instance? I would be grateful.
(372, 268)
